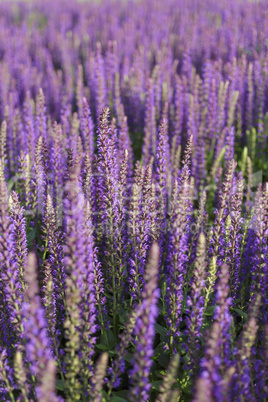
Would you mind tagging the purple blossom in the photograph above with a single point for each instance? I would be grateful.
(37, 347)
(144, 330)
(123, 125)
(216, 365)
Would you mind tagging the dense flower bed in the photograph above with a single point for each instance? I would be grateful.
(133, 202)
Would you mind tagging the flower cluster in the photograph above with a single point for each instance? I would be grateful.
(133, 201)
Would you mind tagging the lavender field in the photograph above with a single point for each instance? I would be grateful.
(134, 201)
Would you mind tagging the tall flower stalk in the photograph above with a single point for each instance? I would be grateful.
(144, 330)
(37, 346)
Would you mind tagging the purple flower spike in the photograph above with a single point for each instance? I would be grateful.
(162, 165)
(6, 377)
(144, 330)
(149, 145)
(195, 304)
(10, 285)
(53, 239)
(99, 377)
(217, 368)
(243, 355)
(19, 235)
(177, 259)
(87, 129)
(218, 239)
(38, 352)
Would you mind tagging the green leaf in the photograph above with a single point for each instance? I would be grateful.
(123, 394)
(241, 313)
(105, 397)
(128, 357)
(160, 330)
(113, 353)
(117, 399)
(160, 373)
(31, 235)
(158, 350)
(123, 317)
(163, 360)
(156, 384)
(108, 339)
(210, 310)
(101, 346)
(60, 385)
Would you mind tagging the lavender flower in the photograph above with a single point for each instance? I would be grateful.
(119, 364)
(195, 304)
(98, 380)
(87, 129)
(218, 239)
(20, 375)
(40, 122)
(162, 158)
(229, 154)
(150, 125)
(38, 352)
(241, 379)
(6, 378)
(53, 245)
(177, 258)
(166, 393)
(216, 365)
(79, 296)
(233, 245)
(19, 236)
(11, 289)
(144, 330)
(3, 142)
(121, 127)
(40, 173)
(111, 210)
